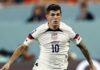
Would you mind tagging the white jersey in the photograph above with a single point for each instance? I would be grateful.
(54, 46)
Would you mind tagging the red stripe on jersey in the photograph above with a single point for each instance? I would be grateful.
(30, 36)
(77, 36)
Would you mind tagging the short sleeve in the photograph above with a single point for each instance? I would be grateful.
(76, 38)
(33, 35)
(38, 31)
(71, 34)
(28, 40)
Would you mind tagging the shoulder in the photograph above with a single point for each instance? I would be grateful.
(42, 28)
(64, 26)
(39, 30)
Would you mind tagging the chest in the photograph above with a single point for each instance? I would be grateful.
(53, 36)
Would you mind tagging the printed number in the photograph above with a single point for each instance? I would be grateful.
(55, 48)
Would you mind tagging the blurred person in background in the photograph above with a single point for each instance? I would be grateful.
(72, 56)
(72, 1)
(54, 37)
(85, 14)
(1, 5)
(5, 54)
(96, 1)
(18, 1)
(31, 1)
(26, 56)
(5, 3)
(38, 14)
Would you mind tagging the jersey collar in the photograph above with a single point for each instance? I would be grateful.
(53, 30)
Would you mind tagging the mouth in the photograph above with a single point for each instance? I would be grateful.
(55, 21)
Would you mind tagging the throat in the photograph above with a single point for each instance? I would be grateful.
(55, 27)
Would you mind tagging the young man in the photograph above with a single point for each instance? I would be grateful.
(85, 14)
(54, 37)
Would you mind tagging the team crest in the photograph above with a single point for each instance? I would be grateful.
(54, 35)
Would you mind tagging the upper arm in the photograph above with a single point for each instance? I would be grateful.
(22, 47)
(81, 45)
(28, 40)
(33, 35)
(76, 38)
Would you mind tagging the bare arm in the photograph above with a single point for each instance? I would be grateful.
(85, 52)
(15, 55)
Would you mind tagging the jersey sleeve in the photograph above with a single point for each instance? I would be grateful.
(38, 31)
(76, 38)
(33, 35)
(28, 40)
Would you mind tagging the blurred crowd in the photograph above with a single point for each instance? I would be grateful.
(37, 14)
(11, 2)
(5, 55)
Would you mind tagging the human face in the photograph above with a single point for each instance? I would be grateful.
(54, 18)
(83, 10)
(37, 11)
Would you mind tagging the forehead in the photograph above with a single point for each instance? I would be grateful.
(54, 12)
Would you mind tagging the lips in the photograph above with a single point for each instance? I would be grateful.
(55, 21)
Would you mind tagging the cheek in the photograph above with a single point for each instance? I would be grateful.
(59, 18)
(51, 18)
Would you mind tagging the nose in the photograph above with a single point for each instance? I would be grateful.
(55, 16)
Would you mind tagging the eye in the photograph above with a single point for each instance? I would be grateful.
(52, 14)
(58, 14)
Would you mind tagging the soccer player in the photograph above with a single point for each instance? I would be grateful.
(54, 37)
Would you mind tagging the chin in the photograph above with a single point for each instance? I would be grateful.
(56, 23)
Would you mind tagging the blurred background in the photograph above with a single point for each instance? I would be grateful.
(19, 17)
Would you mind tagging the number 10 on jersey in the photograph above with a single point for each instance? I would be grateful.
(55, 48)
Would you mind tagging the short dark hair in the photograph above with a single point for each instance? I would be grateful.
(53, 7)
(83, 5)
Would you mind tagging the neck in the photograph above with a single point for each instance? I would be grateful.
(53, 27)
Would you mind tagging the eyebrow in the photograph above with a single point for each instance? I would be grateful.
(55, 13)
